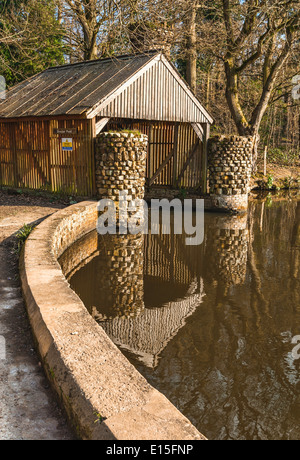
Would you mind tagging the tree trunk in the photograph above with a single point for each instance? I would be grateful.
(232, 97)
(87, 16)
(244, 127)
(90, 46)
(191, 71)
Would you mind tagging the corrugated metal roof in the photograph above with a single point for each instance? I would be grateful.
(89, 89)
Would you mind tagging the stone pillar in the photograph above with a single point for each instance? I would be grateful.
(121, 165)
(230, 167)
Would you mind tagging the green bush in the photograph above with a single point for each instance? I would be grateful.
(270, 182)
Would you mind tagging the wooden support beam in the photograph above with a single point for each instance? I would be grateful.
(161, 168)
(101, 125)
(206, 129)
(175, 160)
(12, 140)
(198, 130)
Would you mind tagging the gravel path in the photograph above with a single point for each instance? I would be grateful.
(28, 409)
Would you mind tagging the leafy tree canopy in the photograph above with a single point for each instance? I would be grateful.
(31, 38)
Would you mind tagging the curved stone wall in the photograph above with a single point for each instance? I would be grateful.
(104, 396)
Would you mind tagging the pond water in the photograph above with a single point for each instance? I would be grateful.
(210, 326)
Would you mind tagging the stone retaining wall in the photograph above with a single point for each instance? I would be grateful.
(230, 167)
(104, 396)
(81, 253)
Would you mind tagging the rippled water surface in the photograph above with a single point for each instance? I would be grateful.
(211, 326)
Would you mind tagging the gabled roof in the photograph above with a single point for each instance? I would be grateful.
(144, 86)
(147, 334)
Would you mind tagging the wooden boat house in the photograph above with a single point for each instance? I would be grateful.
(48, 124)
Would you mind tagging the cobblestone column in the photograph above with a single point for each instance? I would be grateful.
(230, 167)
(121, 165)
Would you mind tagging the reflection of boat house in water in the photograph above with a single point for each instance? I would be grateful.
(142, 329)
(147, 334)
(296, 244)
(150, 285)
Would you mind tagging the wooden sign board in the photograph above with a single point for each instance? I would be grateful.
(66, 131)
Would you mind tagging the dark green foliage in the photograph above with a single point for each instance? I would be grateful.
(32, 38)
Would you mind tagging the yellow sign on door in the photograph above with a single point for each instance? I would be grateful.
(67, 144)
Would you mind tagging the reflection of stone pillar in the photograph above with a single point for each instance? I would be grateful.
(230, 247)
(122, 280)
(230, 166)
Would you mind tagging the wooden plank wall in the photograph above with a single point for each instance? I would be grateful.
(73, 172)
(31, 156)
(179, 143)
(7, 156)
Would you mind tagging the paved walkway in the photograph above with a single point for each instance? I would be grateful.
(28, 409)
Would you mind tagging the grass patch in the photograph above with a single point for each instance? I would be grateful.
(22, 236)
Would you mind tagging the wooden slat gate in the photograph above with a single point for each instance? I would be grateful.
(175, 159)
(175, 153)
(32, 154)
